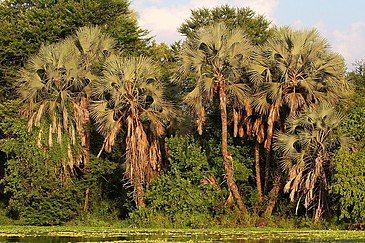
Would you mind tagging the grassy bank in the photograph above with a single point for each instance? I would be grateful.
(111, 233)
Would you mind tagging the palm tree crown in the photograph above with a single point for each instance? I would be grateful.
(306, 149)
(54, 84)
(129, 95)
(215, 52)
(295, 70)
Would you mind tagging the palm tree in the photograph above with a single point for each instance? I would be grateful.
(215, 59)
(130, 97)
(55, 88)
(294, 70)
(93, 47)
(43, 89)
(306, 149)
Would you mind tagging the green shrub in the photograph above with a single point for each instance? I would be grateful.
(178, 203)
(348, 185)
(187, 159)
(354, 125)
(37, 195)
(243, 163)
(178, 199)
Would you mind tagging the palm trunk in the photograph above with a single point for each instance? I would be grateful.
(318, 212)
(85, 144)
(227, 159)
(267, 170)
(270, 130)
(258, 173)
(137, 157)
(139, 192)
(274, 193)
(321, 190)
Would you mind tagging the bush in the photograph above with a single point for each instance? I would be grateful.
(354, 125)
(178, 199)
(187, 159)
(348, 185)
(37, 195)
(109, 199)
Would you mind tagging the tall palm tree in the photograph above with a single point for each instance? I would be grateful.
(215, 58)
(43, 89)
(93, 47)
(55, 88)
(130, 97)
(306, 149)
(294, 70)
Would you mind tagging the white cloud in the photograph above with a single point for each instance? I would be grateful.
(351, 42)
(163, 19)
(298, 24)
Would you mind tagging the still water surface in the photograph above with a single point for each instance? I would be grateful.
(158, 237)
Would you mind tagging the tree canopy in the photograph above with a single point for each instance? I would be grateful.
(241, 123)
(26, 25)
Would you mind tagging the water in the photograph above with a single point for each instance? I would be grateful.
(158, 237)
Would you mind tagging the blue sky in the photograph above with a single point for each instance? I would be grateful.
(342, 22)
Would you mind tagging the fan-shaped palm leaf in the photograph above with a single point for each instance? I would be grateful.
(129, 95)
(306, 149)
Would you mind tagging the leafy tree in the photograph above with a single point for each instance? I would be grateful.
(187, 194)
(214, 58)
(307, 148)
(348, 180)
(130, 96)
(255, 27)
(8, 117)
(354, 122)
(347, 186)
(187, 159)
(26, 25)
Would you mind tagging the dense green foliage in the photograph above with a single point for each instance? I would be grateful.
(229, 127)
(349, 179)
(179, 197)
(189, 194)
(37, 195)
(348, 185)
(32, 179)
(255, 26)
(26, 25)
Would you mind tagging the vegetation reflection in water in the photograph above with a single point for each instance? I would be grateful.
(64, 234)
(262, 126)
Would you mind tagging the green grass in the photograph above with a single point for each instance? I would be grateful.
(111, 233)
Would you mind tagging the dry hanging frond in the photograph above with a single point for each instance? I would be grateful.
(39, 139)
(50, 139)
(200, 120)
(235, 122)
(248, 107)
(211, 180)
(241, 131)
